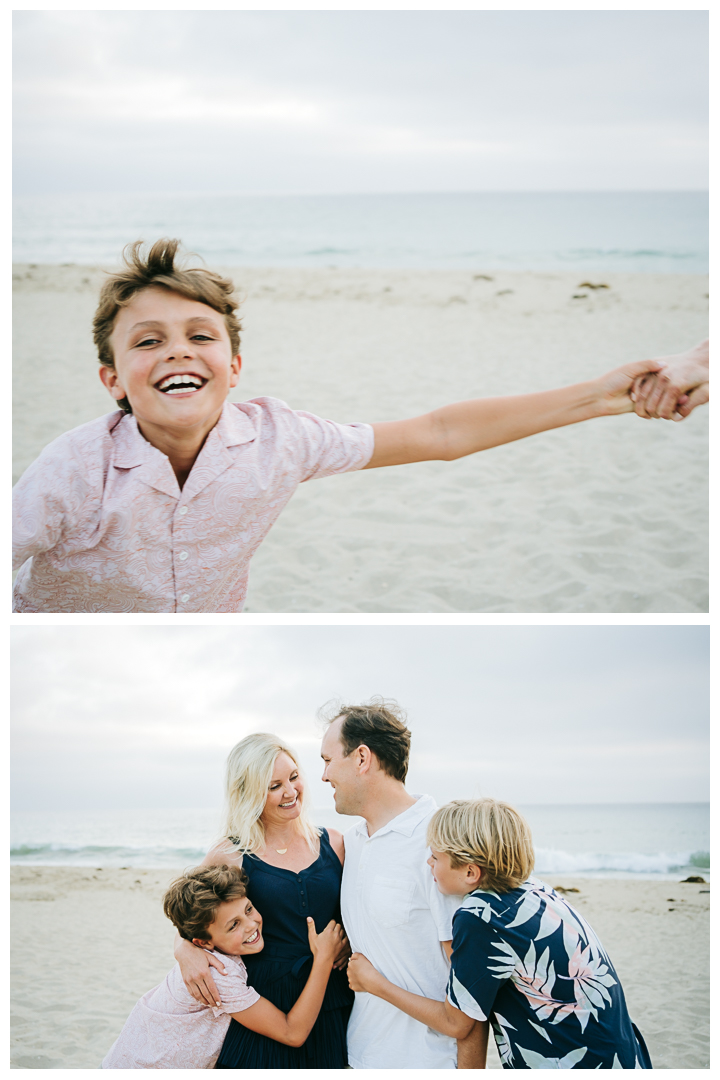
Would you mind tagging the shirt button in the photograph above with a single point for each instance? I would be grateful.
(183, 556)
(185, 597)
(183, 510)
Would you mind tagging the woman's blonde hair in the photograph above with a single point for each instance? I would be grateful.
(248, 773)
(485, 833)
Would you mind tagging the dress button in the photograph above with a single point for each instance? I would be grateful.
(185, 597)
(183, 556)
(183, 510)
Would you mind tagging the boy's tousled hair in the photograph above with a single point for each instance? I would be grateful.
(485, 833)
(192, 900)
(379, 725)
(157, 267)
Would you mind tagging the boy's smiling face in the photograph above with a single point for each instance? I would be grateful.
(173, 361)
(236, 929)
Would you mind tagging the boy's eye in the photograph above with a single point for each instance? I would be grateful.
(202, 337)
(148, 341)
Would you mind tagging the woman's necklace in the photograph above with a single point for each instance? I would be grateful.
(281, 850)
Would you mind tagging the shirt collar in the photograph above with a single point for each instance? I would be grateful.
(132, 451)
(405, 823)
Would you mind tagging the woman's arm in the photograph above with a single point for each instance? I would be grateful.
(439, 1015)
(294, 1027)
(466, 427)
(337, 844)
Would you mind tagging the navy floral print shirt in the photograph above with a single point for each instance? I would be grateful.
(528, 962)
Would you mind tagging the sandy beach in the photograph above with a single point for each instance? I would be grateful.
(606, 516)
(86, 944)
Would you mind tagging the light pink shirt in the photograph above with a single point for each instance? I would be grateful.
(100, 522)
(168, 1029)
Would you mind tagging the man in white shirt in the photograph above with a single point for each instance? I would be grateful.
(392, 911)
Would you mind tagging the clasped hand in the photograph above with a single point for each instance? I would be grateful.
(681, 384)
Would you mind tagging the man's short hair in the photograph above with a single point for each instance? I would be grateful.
(192, 900)
(485, 833)
(158, 267)
(379, 725)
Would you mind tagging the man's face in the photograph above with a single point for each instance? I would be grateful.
(173, 361)
(236, 930)
(341, 772)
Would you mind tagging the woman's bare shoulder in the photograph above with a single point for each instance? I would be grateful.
(337, 843)
(223, 853)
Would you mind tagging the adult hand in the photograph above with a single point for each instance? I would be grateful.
(195, 966)
(361, 974)
(679, 387)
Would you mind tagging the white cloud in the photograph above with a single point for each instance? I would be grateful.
(533, 714)
(373, 101)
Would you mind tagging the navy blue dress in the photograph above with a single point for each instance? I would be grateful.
(280, 971)
(527, 961)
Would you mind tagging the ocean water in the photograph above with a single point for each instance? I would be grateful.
(658, 232)
(648, 841)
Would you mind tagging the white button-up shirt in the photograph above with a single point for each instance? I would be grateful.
(101, 524)
(395, 915)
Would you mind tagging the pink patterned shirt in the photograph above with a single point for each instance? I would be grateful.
(168, 1029)
(101, 525)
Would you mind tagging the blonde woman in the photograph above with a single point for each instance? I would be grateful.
(294, 870)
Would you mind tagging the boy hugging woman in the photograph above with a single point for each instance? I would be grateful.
(168, 1029)
(159, 507)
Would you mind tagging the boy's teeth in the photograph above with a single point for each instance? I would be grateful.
(180, 384)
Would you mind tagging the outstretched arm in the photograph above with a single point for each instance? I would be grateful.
(469, 426)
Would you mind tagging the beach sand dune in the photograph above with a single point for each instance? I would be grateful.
(86, 944)
(608, 516)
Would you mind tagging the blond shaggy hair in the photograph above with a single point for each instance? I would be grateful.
(485, 833)
(248, 773)
(157, 267)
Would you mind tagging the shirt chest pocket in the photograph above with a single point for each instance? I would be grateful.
(391, 901)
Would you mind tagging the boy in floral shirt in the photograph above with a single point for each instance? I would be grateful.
(523, 958)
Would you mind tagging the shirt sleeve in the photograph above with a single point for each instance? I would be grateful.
(235, 994)
(472, 986)
(328, 448)
(49, 493)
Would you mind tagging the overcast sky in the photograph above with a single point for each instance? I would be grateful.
(115, 717)
(338, 101)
